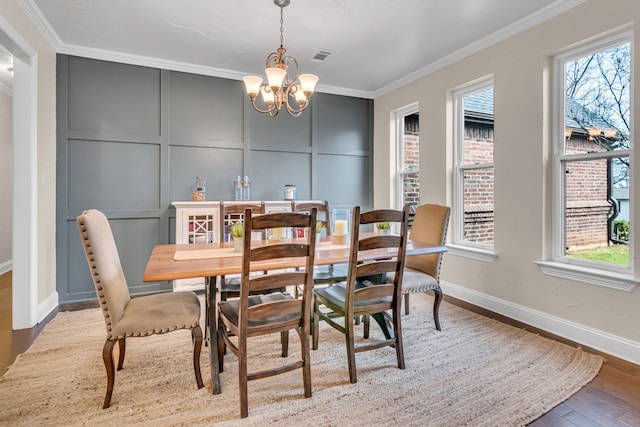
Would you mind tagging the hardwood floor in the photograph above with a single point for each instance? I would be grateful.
(611, 399)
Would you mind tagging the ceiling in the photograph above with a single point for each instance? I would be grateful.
(375, 45)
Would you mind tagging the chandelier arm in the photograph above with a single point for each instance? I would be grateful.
(258, 109)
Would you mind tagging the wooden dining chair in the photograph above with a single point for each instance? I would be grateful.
(332, 273)
(125, 317)
(231, 214)
(257, 313)
(358, 297)
(422, 272)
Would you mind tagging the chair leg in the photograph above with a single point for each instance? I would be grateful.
(367, 325)
(222, 348)
(242, 377)
(406, 303)
(436, 306)
(107, 357)
(315, 329)
(397, 329)
(196, 334)
(284, 340)
(121, 350)
(351, 350)
(306, 360)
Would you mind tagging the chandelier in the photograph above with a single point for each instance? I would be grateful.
(283, 89)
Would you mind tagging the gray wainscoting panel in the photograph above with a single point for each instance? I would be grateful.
(218, 166)
(343, 185)
(205, 108)
(133, 139)
(110, 97)
(272, 170)
(113, 175)
(283, 132)
(343, 123)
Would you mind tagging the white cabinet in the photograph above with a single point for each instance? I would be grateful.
(198, 222)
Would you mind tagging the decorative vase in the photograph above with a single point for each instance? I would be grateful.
(384, 231)
(237, 244)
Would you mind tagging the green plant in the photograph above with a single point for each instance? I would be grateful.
(320, 225)
(237, 229)
(621, 229)
(383, 225)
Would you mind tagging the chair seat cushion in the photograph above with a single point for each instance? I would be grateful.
(336, 294)
(158, 314)
(414, 281)
(229, 309)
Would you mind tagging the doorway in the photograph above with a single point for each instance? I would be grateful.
(24, 302)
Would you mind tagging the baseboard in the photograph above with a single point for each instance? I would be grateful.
(615, 346)
(47, 306)
(6, 266)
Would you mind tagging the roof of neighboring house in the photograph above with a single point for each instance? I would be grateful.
(478, 107)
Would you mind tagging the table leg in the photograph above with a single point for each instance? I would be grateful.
(212, 333)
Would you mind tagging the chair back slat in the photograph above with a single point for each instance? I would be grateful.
(322, 209)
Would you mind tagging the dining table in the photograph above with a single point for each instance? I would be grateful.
(211, 260)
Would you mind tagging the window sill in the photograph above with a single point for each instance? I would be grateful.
(479, 254)
(593, 276)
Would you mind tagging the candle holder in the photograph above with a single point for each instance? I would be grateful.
(341, 226)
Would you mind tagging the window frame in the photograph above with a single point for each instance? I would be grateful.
(460, 246)
(558, 263)
(400, 114)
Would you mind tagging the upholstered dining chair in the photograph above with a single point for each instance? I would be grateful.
(127, 317)
(422, 272)
(229, 215)
(356, 297)
(257, 313)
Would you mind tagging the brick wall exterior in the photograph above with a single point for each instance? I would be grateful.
(587, 207)
(478, 185)
(411, 158)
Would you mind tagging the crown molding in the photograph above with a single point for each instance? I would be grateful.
(517, 27)
(43, 26)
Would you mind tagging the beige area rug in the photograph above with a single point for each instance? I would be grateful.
(476, 372)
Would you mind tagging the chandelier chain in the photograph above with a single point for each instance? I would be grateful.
(281, 24)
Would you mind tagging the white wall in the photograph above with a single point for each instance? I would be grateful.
(6, 181)
(15, 24)
(513, 284)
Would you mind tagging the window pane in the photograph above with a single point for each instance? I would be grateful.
(478, 206)
(409, 175)
(597, 101)
(596, 213)
(411, 150)
(411, 189)
(478, 128)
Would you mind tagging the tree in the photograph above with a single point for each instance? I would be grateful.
(598, 86)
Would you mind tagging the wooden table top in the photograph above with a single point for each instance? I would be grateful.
(162, 265)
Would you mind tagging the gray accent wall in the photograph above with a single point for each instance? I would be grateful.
(132, 139)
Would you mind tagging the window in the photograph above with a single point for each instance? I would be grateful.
(408, 137)
(473, 191)
(592, 156)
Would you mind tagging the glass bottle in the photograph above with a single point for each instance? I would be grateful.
(246, 188)
(238, 187)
